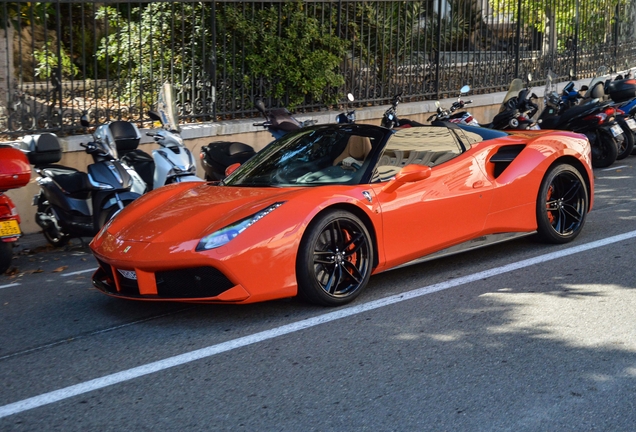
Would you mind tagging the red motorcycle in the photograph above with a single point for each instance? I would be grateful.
(15, 172)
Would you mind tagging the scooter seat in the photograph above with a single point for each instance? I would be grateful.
(69, 179)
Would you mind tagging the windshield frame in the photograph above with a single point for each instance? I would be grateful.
(249, 173)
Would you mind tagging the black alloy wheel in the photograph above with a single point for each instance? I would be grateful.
(562, 205)
(335, 259)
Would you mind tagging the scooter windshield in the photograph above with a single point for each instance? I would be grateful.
(166, 107)
(513, 91)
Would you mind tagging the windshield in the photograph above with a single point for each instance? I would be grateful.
(321, 155)
(166, 107)
(513, 91)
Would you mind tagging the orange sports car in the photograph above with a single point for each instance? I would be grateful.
(317, 212)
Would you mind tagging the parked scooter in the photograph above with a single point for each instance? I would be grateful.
(571, 96)
(594, 118)
(390, 119)
(15, 172)
(622, 90)
(461, 117)
(73, 203)
(217, 156)
(172, 162)
(517, 108)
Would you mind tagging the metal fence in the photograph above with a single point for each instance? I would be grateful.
(61, 59)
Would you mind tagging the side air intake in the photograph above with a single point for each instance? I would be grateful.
(504, 157)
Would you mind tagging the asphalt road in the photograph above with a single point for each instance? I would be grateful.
(520, 336)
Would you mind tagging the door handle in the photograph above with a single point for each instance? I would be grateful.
(478, 184)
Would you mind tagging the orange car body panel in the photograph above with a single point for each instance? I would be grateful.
(461, 200)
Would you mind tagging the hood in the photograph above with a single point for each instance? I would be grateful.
(191, 211)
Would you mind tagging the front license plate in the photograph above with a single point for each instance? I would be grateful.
(631, 123)
(9, 228)
(616, 130)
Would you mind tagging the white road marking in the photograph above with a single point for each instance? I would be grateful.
(614, 168)
(178, 360)
(9, 285)
(78, 272)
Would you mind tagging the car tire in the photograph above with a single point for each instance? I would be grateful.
(334, 260)
(562, 205)
(6, 255)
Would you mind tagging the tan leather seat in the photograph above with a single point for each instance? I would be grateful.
(358, 148)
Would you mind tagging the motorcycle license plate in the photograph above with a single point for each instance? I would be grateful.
(631, 123)
(9, 228)
(616, 130)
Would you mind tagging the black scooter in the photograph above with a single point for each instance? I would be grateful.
(517, 108)
(72, 203)
(594, 118)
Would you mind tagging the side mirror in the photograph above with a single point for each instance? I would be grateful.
(409, 174)
(350, 97)
(229, 170)
(260, 105)
(154, 115)
(464, 89)
(84, 121)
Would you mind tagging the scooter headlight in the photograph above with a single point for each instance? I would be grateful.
(225, 235)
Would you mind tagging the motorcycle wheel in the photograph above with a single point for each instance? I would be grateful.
(53, 234)
(626, 145)
(604, 148)
(6, 255)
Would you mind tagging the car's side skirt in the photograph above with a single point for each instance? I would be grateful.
(475, 243)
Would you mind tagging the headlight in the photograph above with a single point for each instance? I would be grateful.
(224, 235)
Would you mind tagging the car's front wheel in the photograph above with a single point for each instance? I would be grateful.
(335, 259)
(562, 204)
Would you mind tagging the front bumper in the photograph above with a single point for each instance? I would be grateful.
(196, 284)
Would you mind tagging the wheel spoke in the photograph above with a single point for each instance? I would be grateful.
(356, 243)
(334, 231)
(353, 271)
(572, 193)
(334, 280)
(573, 212)
(323, 257)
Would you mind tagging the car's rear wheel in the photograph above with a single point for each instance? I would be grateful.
(562, 204)
(335, 259)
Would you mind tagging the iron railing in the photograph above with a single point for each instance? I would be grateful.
(60, 59)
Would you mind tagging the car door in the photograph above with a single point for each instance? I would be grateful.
(423, 216)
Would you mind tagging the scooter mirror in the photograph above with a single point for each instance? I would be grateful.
(464, 89)
(350, 97)
(258, 103)
(229, 170)
(437, 104)
(529, 77)
(84, 121)
(572, 76)
(154, 116)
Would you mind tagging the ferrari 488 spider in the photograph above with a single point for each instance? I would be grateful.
(319, 211)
